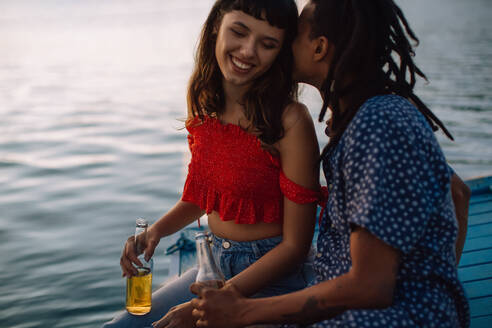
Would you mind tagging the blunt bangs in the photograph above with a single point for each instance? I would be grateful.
(279, 13)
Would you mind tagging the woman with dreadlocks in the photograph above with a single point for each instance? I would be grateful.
(386, 246)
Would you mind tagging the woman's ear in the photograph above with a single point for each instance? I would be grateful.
(216, 26)
(322, 48)
(215, 29)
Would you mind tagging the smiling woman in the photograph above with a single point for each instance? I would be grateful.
(250, 43)
(254, 166)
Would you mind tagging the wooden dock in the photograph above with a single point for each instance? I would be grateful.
(475, 269)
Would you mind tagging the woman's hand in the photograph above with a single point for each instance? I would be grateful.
(461, 194)
(178, 317)
(218, 308)
(130, 252)
(182, 214)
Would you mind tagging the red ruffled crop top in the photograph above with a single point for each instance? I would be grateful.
(232, 174)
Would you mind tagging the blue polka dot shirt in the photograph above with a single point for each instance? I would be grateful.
(388, 175)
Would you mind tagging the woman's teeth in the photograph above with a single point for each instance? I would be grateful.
(240, 64)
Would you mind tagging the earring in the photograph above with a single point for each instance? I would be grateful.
(332, 86)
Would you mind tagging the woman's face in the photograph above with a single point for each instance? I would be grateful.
(246, 47)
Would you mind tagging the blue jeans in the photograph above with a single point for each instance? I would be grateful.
(232, 258)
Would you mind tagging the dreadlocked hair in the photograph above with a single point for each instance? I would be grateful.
(368, 38)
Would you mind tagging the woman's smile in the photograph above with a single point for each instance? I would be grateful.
(241, 66)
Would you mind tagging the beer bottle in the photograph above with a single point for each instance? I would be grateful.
(139, 287)
(208, 271)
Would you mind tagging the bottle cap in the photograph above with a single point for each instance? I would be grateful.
(142, 223)
(202, 234)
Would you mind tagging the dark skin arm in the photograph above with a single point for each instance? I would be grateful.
(369, 283)
(461, 198)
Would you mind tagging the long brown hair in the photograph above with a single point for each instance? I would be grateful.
(265, 101)
(368, 36)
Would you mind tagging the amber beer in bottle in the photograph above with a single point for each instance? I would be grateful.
(139, 287)
(208, 271)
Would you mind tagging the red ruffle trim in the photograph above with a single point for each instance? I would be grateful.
(231, 207)
(301, 195)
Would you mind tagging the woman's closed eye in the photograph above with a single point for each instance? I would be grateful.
(238, 33)
(269, 45)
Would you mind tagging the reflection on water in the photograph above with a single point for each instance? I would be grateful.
(91, 94)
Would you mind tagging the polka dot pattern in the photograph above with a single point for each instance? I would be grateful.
(388, 175)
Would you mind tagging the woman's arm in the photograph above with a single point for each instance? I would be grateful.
(299, 154)
(461, 197)
(182, 214)
(370, 283)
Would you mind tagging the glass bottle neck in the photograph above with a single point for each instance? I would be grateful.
(204, 253)
(140, 238)
(141, 242)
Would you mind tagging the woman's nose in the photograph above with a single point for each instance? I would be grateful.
(248, 48)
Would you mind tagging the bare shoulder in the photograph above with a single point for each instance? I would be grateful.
(298, 149)
(296, 114)
(299, 129)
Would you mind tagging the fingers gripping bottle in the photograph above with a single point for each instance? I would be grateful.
(208, 271)
(139, 287)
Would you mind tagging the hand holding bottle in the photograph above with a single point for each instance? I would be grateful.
(218, 308)
(139, 286)
(135, 246)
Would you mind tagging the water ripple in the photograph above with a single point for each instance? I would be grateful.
(92, 138)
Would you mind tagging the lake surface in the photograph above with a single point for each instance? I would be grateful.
(91, 97)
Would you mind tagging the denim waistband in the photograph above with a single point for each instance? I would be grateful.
(255, 246)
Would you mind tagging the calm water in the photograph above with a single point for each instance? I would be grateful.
(91, 93)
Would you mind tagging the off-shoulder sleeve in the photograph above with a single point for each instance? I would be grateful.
(296, 192)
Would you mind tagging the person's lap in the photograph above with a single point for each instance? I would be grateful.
(231, 260)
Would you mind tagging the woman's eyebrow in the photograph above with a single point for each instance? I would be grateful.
(241, 24)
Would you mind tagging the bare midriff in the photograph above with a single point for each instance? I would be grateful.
(242, 232)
